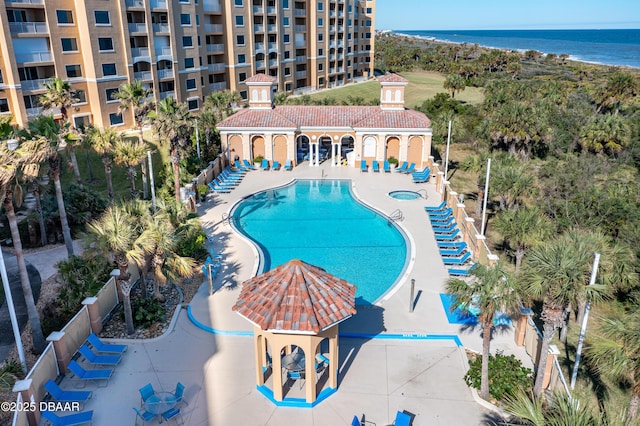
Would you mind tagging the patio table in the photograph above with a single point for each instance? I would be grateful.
(294, 362)
(160, 402)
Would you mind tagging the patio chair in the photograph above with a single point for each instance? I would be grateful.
(445, 229)
(145, 392)
(227, 175)
(107, 348)
(240, 166)
(179, 394)
(410, 169)
(403, 167)
(248, 165)
(439, 207)
(236, 172)
(456, 260)
(276, 165)
(295, 376)
(448, 244)
(448, 237)
(213, 268)
(213, 255)
(288, 166)
(444, 221)
(363, 165)
(146, 416)
(374, 166)
(62, 395)
(68, 420)
(87, 353)
(82, 374)
(172, 414)
(456, 251)
(459, 272)
(403, 418)
(265, 164)
(386, 167)
(452, 247)
(440, 214)
(215, 188)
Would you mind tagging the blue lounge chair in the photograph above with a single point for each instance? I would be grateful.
(170, 414)
(374, 166)
(240, 166)
(456, 251)
(437, 208)
(403, 167)
(441, 213)
(288, 166)
(213, 268)
(410, 169)
(146, 392)
(445, 229)
(105, 348)
(265, 164)
(236, 172)
(296, 375)
(448, 237)
(403, 419)
(248, 165)
(221, 182)
(276, 165)
(445, 221)
(179, 394)
(68, 420)
(462, 272)
(448, 244)
(226, 174)
(146, 416)
(456, 260)
(62, 395)
(386, 166)
(355, 421)
(421, 177)
(363, 166)
(216, 188)
(82, 374)
(94, 359)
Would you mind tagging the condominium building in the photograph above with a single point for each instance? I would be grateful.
(181, 48)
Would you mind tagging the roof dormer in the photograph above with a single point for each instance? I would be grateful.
(392, 91)
(260, 88)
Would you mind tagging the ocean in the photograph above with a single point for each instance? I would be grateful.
(609, 47)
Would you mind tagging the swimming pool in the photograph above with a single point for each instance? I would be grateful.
(322, 223)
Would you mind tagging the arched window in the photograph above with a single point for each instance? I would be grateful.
(370, 146)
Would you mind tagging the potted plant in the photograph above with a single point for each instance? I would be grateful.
(393, 162)
(258, 160)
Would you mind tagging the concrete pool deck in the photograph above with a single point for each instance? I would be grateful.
(377, 376)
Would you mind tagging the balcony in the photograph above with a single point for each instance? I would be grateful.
(271, 10)
(258, 9)
(272, 46)
(332, 13)
(300, 12)
(217, 67)
(332, 28)
(259, 65)
(166, 73)
(164, 53)
(34, 112)
(273, 63)
(143, 75)
(212, 6)
(137, 27)
(140, 52)
(25, 1)
(258, 28)
(134, 3)
(332, 57)
(301, 59)
(301, 74)
(215, 48)
(213, 28)
(31, 85)
(301, 43)
(218, 86)
(272, 28)
(340, 28)
(34, 57)
(301, 28)
(160, 28)
(164, 95)
(29, 27)
(259, 47)
(159, 4)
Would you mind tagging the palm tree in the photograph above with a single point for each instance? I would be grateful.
(454, 84)
(104, 142)
(614, 351)
(476, 164)
(562, 409)
(554, 273)
(116, 234)
(523, 228)
(171, 122)
(620, 87)
(135, 97)
(24, 160)
(490, 290)
(130, 154)
(511, 181)
(607, 134)
(46, 127)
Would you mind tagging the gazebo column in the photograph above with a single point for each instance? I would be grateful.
(276, 369)
(310, 368)
(333, 356)
(317, 164)
(259, 347)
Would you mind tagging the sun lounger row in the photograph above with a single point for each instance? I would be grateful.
(421, 177)
(264, 165)
(406, 168)
(454, 253)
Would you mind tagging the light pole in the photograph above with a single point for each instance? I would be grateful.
(197, 139)
(446, 165)
(486, 194)
(153, 188)
(12, 312)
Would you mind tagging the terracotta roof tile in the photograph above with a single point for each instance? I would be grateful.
(401, 119)
(259, 118)
(391, 78)
(296, 296)
(260, 78)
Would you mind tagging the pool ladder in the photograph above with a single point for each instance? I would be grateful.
(420, 191)
(397, 215)
(226, 219)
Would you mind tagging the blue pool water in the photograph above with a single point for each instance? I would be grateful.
(405, 195)
(321, 223)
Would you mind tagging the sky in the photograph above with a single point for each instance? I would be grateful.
(506, 14)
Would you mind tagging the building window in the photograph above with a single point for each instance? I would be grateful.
(115, 119)
(240, 40)
(187, 41)
(241, 59)
(81, 122)
(285, 4)
(191, 84)
(111, 94)
(369, 10)
(367, 23)
(106, 44)
(185, 19)
(197, 20)
(320, 22)
(102, 17)
(285, 21)
(320, 37)
(320, 6)
(73, 71)
(240, 20)
(1, 78)
(192, 104)
(320, 67)
(69, 44)
(64, 16)
(238, 3)
(320, 52)
(4, 105)
(189, 63)
(109, 69)
(184, 1)
(287, 54)
(242, 76)
(287, 87)
(321, 81)
(81, 97)
(287, 71)
(286, 38)
(243, 94)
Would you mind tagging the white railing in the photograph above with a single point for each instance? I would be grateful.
(259, 46)
(216, 67)
(332, 57)
(213, 28)
(164, 95)
(258, 28)
(301, 59)
(301, 74)
(259, 64)
(137, 52)
(25, 1)
(272, 28)
(212, 7)
(332, 28)
(300, 12)
(143, 75)
(273, 46)
(212, 48)
(163, 51)
(161, 28)
(134, 3)
(33, 84)
(34, 57)
(258, 9)
(218, 86)
(166, 73)
(332, 70)
(158, 4)
(33, 112)
(301, 43)
(28, 27)
(301, 28)
(332, 13)
(271, 10)
(137, 27)
(273, 62)
(340, 27)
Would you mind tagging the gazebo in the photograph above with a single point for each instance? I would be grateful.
(295, 307)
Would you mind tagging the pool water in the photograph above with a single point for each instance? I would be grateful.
(405, 195)
(321, 223)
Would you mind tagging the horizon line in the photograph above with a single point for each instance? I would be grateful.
(515, 29)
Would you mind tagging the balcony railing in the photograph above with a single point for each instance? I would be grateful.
(332, 28)
(213, 28)
(29, 27)
(301, 43)
(301, 59)
(259, 47)
(25, 1)
(34, 57)
(272, 46)
(258, 9)
(29, 85)
(301, 28)
(214, 48)
(332, 57)
(143, 75)
(301, 74)
(134, 3)
(166, 73)
(259, 64)
(273, 63)
(258, 28)
(33, 112)
(300, 12)
(271, 10)
(138, 52)
(137, 27)
(164, 95)
(212, 7)
(272, 28)
(161, 28)
(158, 4)
(218, 86)
(216, 67)
(163, 51)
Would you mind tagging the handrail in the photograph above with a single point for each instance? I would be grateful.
(397, 215)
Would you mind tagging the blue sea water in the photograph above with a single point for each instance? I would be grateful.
(610, 47)
(319, 222)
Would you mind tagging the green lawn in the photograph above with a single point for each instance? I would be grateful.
(422, 86)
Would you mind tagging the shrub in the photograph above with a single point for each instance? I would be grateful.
(258, 159)
(147, 312)
(82, 205)
(192, 241)
(10, 372)
(507, 375)
(393, 160)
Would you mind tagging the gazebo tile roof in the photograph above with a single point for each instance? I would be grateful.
(391, 78)
(260, 78)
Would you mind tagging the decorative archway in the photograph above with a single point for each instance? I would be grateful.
(369, 149)
(280, 149)
(236, 148)
(414, 154)
(302, 147)
(393, 148)
(257, 147)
